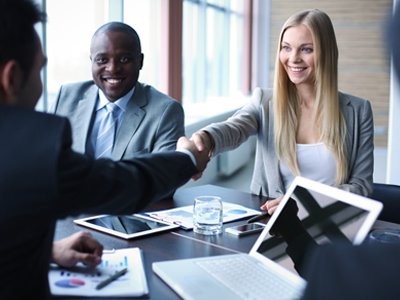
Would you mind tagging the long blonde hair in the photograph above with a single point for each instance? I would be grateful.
(329, 119)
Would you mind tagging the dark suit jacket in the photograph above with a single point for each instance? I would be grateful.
(153, 122)
(42, 179)
(354, 272)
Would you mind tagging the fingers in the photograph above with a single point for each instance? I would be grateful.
(197, 176)
(89, 244)
(79, 247)
(198, 141)
(88, 259)
(202, 157)
(271, 205)
(203, 142)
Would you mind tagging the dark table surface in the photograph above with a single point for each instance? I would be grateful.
(178, 243)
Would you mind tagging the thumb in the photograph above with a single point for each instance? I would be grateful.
(198, 141)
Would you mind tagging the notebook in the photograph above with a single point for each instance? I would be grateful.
(310, 214)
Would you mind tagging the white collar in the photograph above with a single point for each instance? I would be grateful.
(121, 102)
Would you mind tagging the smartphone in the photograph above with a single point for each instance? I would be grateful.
(245, 229)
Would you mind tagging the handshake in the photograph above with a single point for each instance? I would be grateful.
(201, 145)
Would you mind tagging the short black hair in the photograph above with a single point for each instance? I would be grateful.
(120, 27)
(18, 39)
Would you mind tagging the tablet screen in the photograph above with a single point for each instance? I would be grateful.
(126, 226)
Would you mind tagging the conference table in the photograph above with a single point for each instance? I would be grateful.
(178, 243)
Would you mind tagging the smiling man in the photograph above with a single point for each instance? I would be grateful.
(143, 120)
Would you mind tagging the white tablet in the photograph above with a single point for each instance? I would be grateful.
(126, 226)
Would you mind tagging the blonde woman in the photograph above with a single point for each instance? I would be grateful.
(304, 126)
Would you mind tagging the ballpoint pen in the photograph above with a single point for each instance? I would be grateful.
(258, 217)
(111, 279)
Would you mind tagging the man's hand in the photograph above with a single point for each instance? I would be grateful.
(79, 247)
(202, 157)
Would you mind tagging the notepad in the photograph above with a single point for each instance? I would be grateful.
(82, 281)
(183, 216)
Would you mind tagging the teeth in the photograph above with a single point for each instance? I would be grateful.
(113, 80)
(296, 69)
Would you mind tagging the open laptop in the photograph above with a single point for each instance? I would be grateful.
(310, 214)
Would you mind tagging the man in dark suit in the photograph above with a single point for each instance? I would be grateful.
(148, 120)
(369, 271)
(43, 179)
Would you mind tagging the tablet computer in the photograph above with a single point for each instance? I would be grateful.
(125, 226)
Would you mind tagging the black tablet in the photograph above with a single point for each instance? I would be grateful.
(125, 226)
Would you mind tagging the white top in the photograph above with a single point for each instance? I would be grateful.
(315, 162)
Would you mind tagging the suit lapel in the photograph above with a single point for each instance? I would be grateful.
(348, 115)
(271, 144)
(83, 119)
(134, 115)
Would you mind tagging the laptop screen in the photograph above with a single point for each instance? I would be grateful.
(309, 219)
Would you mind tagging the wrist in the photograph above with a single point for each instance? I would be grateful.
(210, 139)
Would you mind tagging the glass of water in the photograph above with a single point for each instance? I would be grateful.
(207, 215)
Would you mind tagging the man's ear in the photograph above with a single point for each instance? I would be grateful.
(141, 60)
(10, 80)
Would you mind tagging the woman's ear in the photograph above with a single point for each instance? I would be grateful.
(10, 81)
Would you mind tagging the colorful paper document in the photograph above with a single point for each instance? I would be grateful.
(183, 216)
(82, 281)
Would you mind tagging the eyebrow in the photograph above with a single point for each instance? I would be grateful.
(302, 45)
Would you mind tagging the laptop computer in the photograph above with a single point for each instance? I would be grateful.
(310, 214)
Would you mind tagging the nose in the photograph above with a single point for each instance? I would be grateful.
(112, 65)
(295, 56)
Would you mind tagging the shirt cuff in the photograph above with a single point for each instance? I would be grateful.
(190, 155)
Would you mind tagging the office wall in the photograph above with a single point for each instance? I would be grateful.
(364, 68)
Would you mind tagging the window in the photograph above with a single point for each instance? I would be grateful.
(68, 35)
(213, 32)
(144, 17)
(213, 43)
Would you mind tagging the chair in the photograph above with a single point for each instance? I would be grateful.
(389, 195)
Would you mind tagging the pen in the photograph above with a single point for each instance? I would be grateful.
(111, 279)
(259, 217)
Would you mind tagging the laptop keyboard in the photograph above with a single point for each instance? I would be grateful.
(248, 279)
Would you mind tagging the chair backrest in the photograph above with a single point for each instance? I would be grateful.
(389, 195)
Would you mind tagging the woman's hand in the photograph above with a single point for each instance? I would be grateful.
(271, 205)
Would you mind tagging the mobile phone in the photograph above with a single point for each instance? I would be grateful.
(245, 229)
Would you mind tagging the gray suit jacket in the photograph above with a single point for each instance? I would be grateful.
(256, 118)
(153, 122)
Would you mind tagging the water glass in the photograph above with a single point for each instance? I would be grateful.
(207, 215)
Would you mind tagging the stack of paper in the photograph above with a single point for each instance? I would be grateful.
(183, 216)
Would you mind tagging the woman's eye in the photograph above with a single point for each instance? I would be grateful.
(307, 50)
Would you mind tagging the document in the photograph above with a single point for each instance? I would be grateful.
(183, 216)
(82, 281)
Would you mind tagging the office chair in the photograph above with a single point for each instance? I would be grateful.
(389, 195)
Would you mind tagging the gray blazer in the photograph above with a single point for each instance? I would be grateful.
(256, 118)
(153, 122)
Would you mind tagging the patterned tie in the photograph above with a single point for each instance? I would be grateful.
(107, 131)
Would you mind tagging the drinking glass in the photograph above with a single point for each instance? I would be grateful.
(207, 215)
